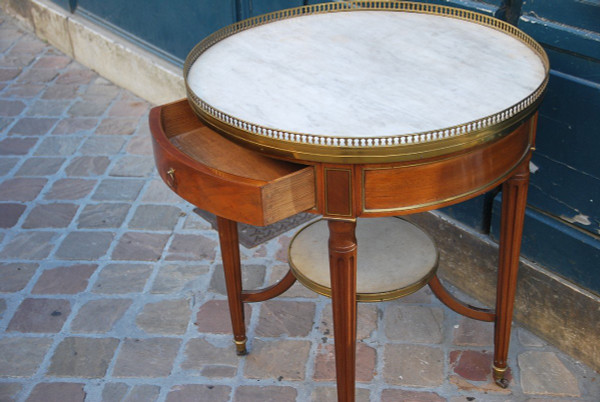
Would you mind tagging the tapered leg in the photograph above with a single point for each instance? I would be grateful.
(230, 252)
(514, 199)
(342, 265)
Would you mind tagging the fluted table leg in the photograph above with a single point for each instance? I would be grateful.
(342, 263)
(230, 252)
(514, 200)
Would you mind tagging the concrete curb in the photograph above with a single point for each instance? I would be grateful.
(125, 64)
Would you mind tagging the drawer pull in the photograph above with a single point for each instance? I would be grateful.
(171, 177)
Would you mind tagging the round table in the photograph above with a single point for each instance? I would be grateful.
(349, 110)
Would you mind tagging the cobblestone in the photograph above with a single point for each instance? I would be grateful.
(40, 315)
(82, 357)
(112, 289)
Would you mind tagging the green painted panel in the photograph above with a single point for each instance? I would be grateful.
(169, 28)
(558, 246)
(584, 14)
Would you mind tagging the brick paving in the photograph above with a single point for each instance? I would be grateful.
(111, 288)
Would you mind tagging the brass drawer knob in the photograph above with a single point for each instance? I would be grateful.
(171, 177)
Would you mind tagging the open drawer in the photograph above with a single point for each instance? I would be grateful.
(222, 177)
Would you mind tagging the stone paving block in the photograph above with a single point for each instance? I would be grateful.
(133, 166)
(80, 245)
(143, 393)
(122, 278)
(199, 393)
(165, 317)
(102, 88)
(104, 215)
(53, 108)
(488, 388)
(30, 245)
(2, 308)
(213, 317)
(76, 125)
(64, 280)
(21, 357)
(114, 391)
(158, 191)
(76, 74)
(155, 217)
(10, 214)
(57, 392)
(289, 318)
(151, 357)
(542, 373)
(413, 365)
(82, 357)
(366, 360)
(128, 108)
(117, 125)
(6, 164)
(33, 126)
(395, 395)
(17, 146)
(50, 216)
(118, 190)
(366, 321)
(277, 359)
(191, 247)
(89, 107)
(175, 278)
(102, 145)
(11, 107)
(52, 61)
(140, 145)
(99, 316)
(15, 276)
(87, 166)
(250, 393)
(24, 91)
(21, 189)
(329, 394)
(40, 315)
(58, 146)
(40, 166)
(61, 92)
(419, 324)
(210, 360)
(70, 189)
(9, 74)
(9, 391)
(472, 365)
(37, 75)
(29, 45)
(253, 277)
(140, 246)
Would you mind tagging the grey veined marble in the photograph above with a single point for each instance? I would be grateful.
(367, 73)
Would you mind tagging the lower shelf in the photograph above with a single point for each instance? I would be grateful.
(395, 258)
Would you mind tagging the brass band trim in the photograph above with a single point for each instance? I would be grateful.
(374, 149)
(363, 297)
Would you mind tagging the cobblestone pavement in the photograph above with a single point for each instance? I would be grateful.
(111, 288)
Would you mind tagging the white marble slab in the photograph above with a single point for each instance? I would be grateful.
(367, 73)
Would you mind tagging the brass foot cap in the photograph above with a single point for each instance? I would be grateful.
(240, 347)
(499, 376)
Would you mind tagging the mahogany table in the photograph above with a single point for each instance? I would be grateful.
(364, 109)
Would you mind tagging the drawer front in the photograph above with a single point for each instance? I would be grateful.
(402, 189)
(242, 199)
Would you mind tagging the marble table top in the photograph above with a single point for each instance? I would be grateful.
(364, 74)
